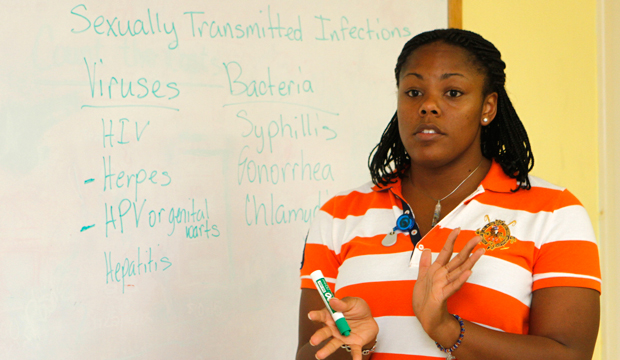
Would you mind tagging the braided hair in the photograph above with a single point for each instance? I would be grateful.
(504, 139)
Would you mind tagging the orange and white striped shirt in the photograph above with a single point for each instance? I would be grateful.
(535, 239)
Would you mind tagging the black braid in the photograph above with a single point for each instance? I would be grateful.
(504, 139)
(385, 156)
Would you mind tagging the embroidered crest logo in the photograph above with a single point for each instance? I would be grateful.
(496, 234)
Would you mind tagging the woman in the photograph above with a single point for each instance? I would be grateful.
(455, 158)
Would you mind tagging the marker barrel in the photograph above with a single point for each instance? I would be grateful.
(326, 294)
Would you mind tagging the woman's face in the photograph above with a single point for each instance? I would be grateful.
(441, 106)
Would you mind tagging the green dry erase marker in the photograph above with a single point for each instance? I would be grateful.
(326, 294)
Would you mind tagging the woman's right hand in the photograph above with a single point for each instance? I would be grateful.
(364, 328)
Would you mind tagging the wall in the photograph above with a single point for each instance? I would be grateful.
(609, 105)
(550, 48)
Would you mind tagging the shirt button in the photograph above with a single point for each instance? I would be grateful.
(421, 247)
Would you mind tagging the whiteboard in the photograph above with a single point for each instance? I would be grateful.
(161, 162)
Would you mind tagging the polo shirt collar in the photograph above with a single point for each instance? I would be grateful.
(396, 187)
(496, 180)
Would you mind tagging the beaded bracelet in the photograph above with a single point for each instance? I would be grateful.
(364, 352)
(458, 342)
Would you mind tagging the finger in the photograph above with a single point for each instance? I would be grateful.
(471, 244)
(473, 259)
(466, 262)
(329, 348)
(446, 253)
(322, 316)
(342, 305)
(425, 262)
(356, 353)
(455, 285)
(352, 307)
(459, 276)
(464, 254)
(321, 335)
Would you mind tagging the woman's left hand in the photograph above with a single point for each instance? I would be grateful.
(438, 280)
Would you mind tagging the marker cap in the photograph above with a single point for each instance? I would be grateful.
(343, 327)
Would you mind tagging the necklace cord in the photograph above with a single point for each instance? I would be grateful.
(437, 212)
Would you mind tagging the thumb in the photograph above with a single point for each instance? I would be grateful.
(426, 260)
(340, 305)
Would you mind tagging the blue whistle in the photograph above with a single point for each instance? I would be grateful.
(405, 222)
